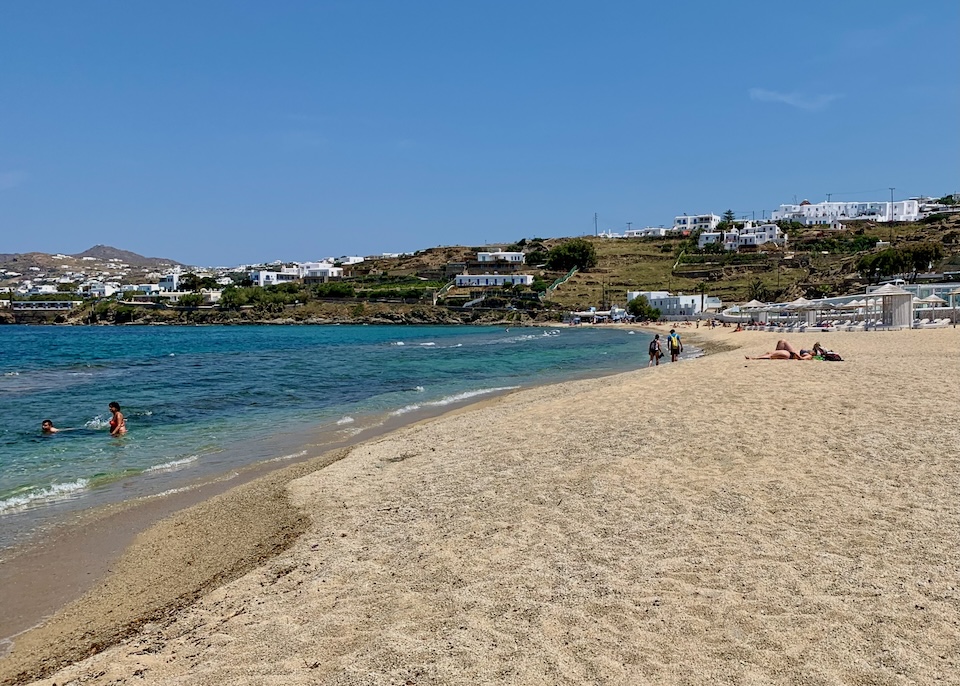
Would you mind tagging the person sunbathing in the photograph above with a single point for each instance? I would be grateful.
(785, 351)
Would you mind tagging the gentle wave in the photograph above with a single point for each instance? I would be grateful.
(288, 457)
(54, 492)
(345, 420)
(450, 399)
(97, 422)
(466, 395)
(172, 464)
(172, 491)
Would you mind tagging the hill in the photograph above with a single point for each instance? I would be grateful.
(816, 263)
(100, 261)
(108, 253)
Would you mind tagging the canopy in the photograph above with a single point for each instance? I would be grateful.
(799, 304)
(934, 300)
(753, 305)
(890, 289)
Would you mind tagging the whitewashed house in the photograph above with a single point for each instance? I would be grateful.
(501, 256)
(493, 280)
(99, 289)
(678, 305)
(821, 213)
(316, 270)
(646, 232)
(697, 222)
(170, 282)
(265, 277)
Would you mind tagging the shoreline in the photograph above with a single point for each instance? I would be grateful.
(47, 574)
(730, 484)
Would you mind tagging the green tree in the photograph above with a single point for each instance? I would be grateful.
(729, 217)
(640, 308)
(190, 300)
(756, 290)
(189, 282)
(922, 255)
(576, 252)
(536, 256)
(233, 297)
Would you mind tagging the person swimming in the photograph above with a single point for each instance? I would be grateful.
(47, 427)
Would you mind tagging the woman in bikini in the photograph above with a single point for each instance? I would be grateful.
(785, 351)
(118, 425)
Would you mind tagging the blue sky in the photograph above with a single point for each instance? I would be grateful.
(230, 132)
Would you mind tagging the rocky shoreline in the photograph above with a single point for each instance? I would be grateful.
(310, 314)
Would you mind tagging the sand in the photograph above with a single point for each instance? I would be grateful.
(712, 521)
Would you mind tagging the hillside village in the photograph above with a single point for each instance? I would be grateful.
(701, 263)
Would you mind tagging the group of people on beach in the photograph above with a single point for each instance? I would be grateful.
(118, 424)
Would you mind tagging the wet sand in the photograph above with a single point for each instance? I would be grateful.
(713, 521)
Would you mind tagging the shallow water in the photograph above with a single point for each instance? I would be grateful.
(201, 401)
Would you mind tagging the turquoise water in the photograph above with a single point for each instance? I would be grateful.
(201, 401)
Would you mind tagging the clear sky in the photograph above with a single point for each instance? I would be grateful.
(218, 133)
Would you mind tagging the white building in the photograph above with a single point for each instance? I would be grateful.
(263, 277)
(827, 212)
(43, 289)
(708, 237)
(98, 289)
(646, 232)
(501, 256)
(494, 279)
(748, 234)
(697, 222)
(317, 270)
(170, 282)
(678, 305)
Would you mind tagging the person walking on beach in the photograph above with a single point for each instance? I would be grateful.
(676, 347)
(118, 425)
(655, 352)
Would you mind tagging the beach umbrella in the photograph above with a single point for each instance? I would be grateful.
(752, 306)
(799, 304)
(933, 300)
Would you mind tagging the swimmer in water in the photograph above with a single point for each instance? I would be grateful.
(47, 427)
(118, 425)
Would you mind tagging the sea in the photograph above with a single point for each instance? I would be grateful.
(202, 402)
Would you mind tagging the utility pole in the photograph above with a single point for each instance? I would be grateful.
(828, 196)
(628, 225)
(595, 224)
(892, 189)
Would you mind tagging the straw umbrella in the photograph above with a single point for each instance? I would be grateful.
(933, 301)
(752, 306)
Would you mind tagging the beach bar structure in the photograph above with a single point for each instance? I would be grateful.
(896, 307)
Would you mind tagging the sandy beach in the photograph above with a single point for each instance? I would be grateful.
(715, 521)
